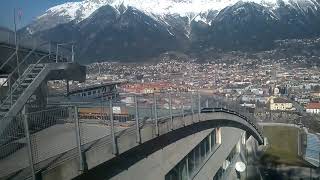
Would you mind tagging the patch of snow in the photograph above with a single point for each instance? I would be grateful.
(156, 9)
(161, 7)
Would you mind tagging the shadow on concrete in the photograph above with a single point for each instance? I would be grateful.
(123, 161)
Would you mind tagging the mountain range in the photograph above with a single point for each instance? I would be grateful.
(135, 30)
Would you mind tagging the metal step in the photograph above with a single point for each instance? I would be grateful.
(3, 112)
(4, 108)
(18, 85)
(25, 84)
(28, 79)
(18, 91)
(15, 96)
(38, 65)
(32, 74)
(36, 69)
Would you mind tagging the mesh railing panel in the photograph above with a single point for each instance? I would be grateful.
(59, 134)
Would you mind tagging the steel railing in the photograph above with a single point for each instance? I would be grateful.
(44, 139)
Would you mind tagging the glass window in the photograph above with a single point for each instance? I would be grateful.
(213, 139)
(203, 149)
(197, 155)
(173, 174)
(183, 172)
(192, 161)
(219, 174)
(186, 168)
(206, 143)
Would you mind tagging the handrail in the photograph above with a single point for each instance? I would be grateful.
(24, 59)
(27, 56)
(12, 55)
(19, 83)
(42, 120)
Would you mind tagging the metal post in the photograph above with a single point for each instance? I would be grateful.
(138, 135)
(192, 106)
(27, 133)
(182, 110)
(101, 108)
(170, 110)
(72, 58)
(199, 106)
(114, 145)
(16, 40)
(78, 139)
(57, 52)
(246, 156)
(68, 87)
(10, 90)
(156, 114)
(207, 103)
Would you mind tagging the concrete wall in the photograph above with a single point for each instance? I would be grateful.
(229, 138)
(246, 152)
(158, 164)
(165, 150)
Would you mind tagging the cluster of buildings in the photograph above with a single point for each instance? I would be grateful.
(260, 85)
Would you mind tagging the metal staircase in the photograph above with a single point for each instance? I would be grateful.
(19, 88)
(18, 95)
(24, 79)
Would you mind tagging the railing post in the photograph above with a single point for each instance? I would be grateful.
(138, 135)
(182, 114)
(114, 145)
(10, 90)
(182, 110)
(57, 52)
(78, 139)
(16, 42)
(199, 106)
(170, 110)
(207, 103)
(72, 58)
(27, 134)
(192, 111)
(156, 114)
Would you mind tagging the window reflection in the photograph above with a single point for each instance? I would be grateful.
(186, 168)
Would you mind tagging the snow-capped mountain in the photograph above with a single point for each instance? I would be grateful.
(193, 9)
(83, 9)
(144, 28)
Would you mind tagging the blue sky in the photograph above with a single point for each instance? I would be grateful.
(30, 10)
